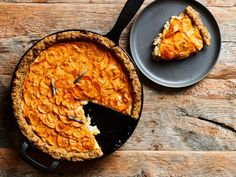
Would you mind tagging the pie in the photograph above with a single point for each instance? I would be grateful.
(61, 74)
(182, 36)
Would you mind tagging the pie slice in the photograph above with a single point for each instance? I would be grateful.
(182, 36)
(58, 77)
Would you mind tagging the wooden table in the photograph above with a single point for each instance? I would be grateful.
(184, 132)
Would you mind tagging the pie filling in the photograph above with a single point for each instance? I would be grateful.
(61, 80)
(180, 37)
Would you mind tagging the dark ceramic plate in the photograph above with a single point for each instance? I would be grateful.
(173, 74)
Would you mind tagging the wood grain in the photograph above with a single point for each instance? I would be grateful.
(11, 49)
(33, 19)
(23, 24)
(172, 119)
(189, 124)
(133, 164)
(198, 118)
(223, 3)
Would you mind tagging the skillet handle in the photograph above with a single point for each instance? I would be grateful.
(126, 15)
(23, 152)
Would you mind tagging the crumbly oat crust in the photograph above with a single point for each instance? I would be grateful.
(194, 16)
(23, 69)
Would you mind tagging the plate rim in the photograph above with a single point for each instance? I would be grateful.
(166, 84)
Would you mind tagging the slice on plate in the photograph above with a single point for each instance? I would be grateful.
(182, 36)
(60, 75)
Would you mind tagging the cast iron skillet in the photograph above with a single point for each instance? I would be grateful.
(115, 128)
(173, 74)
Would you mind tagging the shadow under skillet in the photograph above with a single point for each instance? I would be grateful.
(10, 133)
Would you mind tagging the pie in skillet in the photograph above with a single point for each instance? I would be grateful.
(182, 36)
(57, 77)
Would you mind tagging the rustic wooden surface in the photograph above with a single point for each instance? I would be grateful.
(178, 127)
(137, 164)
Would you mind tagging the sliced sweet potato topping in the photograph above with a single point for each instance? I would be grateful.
(65, 120)
(41, 130)
(52, 138)
(58, 117)
(62, 141)
(61, 127)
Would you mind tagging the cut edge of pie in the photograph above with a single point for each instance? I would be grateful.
(201, 31)
(23, 70)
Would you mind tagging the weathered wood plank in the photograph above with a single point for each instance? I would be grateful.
(223, 3)
(31, 19)
(222, 89)
(214, 89)
(11, 49)
(201, 117)
(28, 22)
(184, 123)
(226, 23)
(23, 24)
(132, 163)
(223, 71)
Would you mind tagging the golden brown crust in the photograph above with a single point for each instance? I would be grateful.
(137, 90)
(194, 16)
(23, 67)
